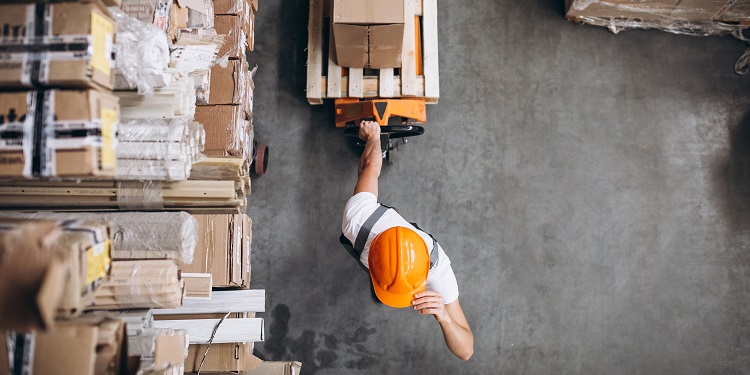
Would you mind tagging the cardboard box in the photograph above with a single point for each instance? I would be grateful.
(83, 252)
(227, 130)
(229, 85)
(235, 41)
(78, 43)
(32, 275)
(276, 368)
(223, 249)
(86, 346)
(79, 143)
(368, 33)
(221, 357)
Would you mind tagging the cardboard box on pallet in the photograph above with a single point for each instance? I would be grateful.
(72, 47)
(51, 269)
(368, 33)
(223, 249)
(76, 133)
(227, 130)
(243, 9)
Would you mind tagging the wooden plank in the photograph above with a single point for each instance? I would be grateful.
(371, 88)
(430, 46)
(355, 83)
(333, 84)
(230, 330)
(315, 52)
(408, 53)
(385, 82)
(197, 285)
(222, 301)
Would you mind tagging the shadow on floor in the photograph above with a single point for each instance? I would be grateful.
(732, 177)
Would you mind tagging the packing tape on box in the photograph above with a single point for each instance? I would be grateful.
(20, 347)
(140, 195)
(31, 132)
(33, 52)
(38, 135)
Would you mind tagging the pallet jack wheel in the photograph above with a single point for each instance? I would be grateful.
(260, 160)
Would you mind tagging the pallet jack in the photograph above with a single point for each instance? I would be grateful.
(398, 120)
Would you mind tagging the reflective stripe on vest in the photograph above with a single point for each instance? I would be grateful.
(366, 229)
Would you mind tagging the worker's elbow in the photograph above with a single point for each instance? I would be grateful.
(466, 354)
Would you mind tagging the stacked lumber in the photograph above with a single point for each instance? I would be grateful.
(136, 235)
(135, 284)
(158, 149)
(190, 196)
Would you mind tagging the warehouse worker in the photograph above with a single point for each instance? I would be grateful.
(406, 265)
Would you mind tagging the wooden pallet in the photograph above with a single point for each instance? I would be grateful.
(329, 81)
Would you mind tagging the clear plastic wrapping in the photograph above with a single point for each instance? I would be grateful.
(140, 195)
(141, 54)
(174, 100)
(158, 149)
(137, 284)
(235, 36)
(706, 17)
(137, 235)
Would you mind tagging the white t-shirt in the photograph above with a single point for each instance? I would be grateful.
(358, 209)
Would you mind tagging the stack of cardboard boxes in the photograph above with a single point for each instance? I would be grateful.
(226, 109)
(61, 119)
(368, 33)
(49, 275)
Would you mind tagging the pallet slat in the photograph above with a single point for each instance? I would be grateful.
(408, 53)
(430, 49)
(386, 83)
(333, 85)
(315, 52)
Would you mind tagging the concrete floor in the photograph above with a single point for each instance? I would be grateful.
(591, 189)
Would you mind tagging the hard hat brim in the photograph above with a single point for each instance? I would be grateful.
(395, 300)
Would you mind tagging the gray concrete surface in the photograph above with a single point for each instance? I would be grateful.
(592, 191)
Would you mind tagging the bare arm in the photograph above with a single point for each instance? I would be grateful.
(372, 158)
(456, 331)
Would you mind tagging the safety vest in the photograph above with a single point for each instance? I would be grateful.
(356, 249)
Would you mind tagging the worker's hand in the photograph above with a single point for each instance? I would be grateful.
(369, 131)
(429, 302)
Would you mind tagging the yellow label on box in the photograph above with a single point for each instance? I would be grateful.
(99, 260)
(102, 32)
(109, 119)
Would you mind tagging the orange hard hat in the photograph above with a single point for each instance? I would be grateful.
(399, 262)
